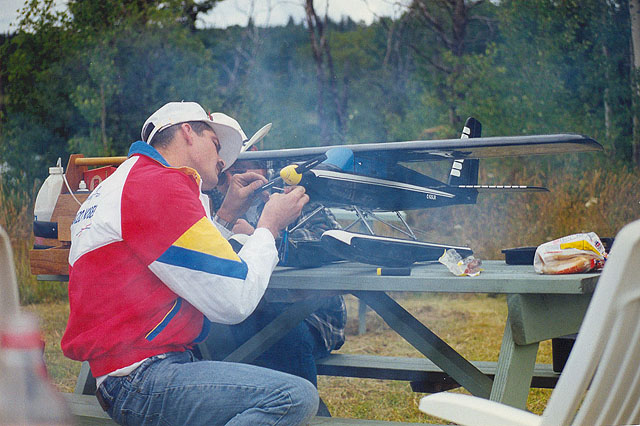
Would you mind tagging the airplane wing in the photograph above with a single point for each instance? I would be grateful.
(443, 149)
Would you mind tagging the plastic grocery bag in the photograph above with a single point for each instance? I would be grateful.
(469, 266)
(570, 255)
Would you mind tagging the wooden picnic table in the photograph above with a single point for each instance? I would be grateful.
(540, 307)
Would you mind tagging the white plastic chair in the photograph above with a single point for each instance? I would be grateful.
(600, 384)
(8, 285)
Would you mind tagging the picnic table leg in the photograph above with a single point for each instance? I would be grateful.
(86, 384)
(275, 330)
(424, 340)
(514, 371)
(362, 317)
(532, 319)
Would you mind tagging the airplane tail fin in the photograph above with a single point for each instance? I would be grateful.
(465, 172)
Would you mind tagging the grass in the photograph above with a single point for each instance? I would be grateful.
(471, 323)
(53, 320)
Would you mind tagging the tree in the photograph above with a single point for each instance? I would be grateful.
(191, 9)
(35, 100)
(442, 38)
(565, 64)
(634, 12)
(111, 13)
(86, 79)
(94, 98)
(326, 76)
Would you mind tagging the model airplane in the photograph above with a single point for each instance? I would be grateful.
(376, 180)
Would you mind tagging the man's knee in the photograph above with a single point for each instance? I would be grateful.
(305, 398)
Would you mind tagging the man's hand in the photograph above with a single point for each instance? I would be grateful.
(239, 195)
(282, 209)
(243, 227)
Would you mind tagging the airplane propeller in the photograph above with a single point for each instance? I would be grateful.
(338, 157)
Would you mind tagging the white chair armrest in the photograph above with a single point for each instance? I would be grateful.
(474, 411)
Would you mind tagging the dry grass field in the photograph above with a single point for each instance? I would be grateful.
(471, 324)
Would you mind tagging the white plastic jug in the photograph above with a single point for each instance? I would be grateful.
(48, 194)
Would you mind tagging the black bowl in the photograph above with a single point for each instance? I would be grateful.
(519, 255)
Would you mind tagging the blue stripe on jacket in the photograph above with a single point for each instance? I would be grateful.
(165, 321)
(197, 261)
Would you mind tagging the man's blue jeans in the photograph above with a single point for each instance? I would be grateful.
(177, 389)
(295, 353)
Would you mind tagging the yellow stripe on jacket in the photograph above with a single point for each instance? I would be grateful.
(204, 237)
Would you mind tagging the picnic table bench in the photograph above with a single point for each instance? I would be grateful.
(421, 373)
(87, 412)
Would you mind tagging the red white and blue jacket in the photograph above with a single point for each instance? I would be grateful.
(148, 269)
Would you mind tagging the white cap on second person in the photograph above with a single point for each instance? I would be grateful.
(226, 128)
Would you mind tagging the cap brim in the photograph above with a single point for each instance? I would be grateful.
(257, 137)
(230, 143)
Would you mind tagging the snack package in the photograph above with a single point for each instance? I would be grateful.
(469, 266)
(572, 254)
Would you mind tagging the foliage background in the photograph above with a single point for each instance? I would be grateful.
(83, 80)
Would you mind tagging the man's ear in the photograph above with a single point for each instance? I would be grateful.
(187, 132)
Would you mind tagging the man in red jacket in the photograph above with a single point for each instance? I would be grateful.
(150, 270)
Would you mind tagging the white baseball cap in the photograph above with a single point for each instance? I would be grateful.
(226, 128)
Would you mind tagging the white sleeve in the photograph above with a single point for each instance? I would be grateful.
(203, 269)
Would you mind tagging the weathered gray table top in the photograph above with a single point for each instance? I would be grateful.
(497, 277)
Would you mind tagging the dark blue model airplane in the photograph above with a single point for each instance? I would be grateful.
(375, 179)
